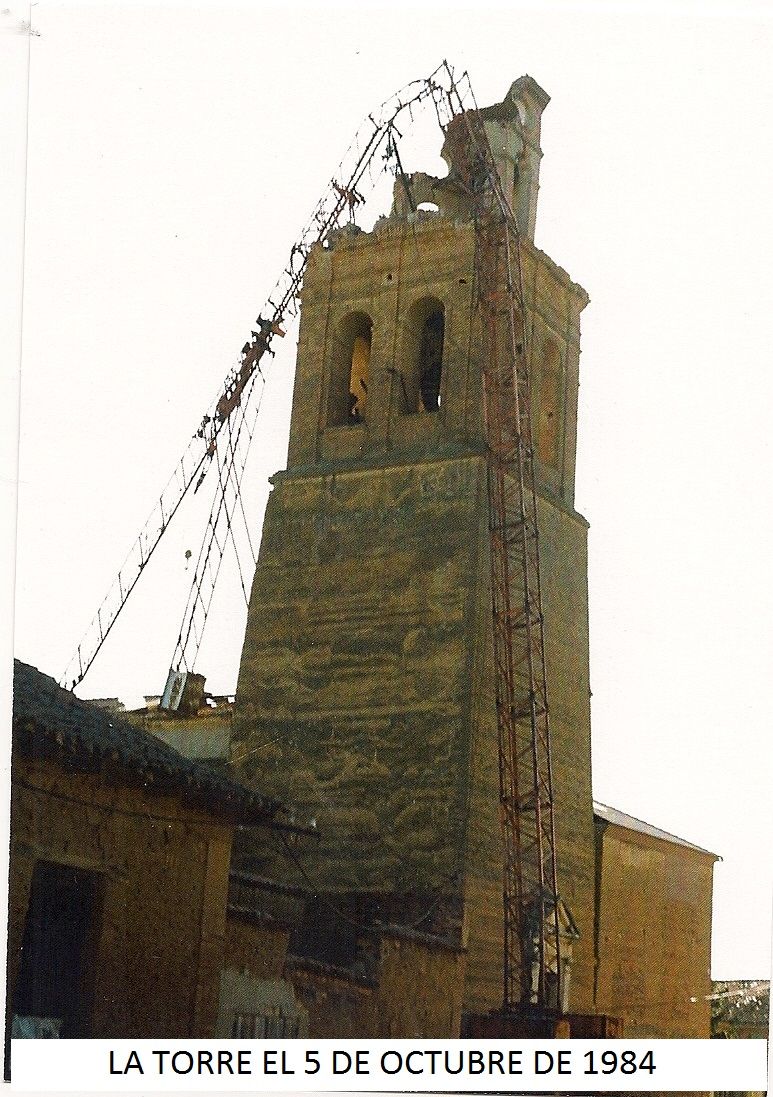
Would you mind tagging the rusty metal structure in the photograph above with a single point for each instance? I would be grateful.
(532, 954)
(532, 932)
(530, 891)
(225, 432)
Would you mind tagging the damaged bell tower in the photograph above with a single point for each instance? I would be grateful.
(365, 693)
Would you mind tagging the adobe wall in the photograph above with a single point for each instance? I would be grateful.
(164, 871)
(257, 948)
(420, 990)
(415, 991)
(205, 736)
(654, 934)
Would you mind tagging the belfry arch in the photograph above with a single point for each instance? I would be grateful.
(349, 370)
(423, 350)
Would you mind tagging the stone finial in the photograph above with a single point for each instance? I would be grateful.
(526, 92)
(513, 129)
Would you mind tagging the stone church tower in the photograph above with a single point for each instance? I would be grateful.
(365, 696)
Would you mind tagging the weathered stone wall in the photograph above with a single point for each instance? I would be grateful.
(354, 681)
(654, 934)
(365, 694)
(164, 869)
(365, 691)
(383, 275)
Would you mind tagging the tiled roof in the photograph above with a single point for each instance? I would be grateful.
(48, 720)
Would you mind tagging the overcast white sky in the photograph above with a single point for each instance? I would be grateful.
(175, 152)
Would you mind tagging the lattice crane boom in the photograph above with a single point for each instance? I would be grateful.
(354, 176)
(532, 932)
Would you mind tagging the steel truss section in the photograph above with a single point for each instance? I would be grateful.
(532, 944)
(370, 153)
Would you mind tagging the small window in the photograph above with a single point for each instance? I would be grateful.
(350, 367)
(424, 344)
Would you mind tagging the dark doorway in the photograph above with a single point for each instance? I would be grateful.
(58, 947)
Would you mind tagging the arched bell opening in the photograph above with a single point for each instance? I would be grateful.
(424, 347)
(349, 375)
